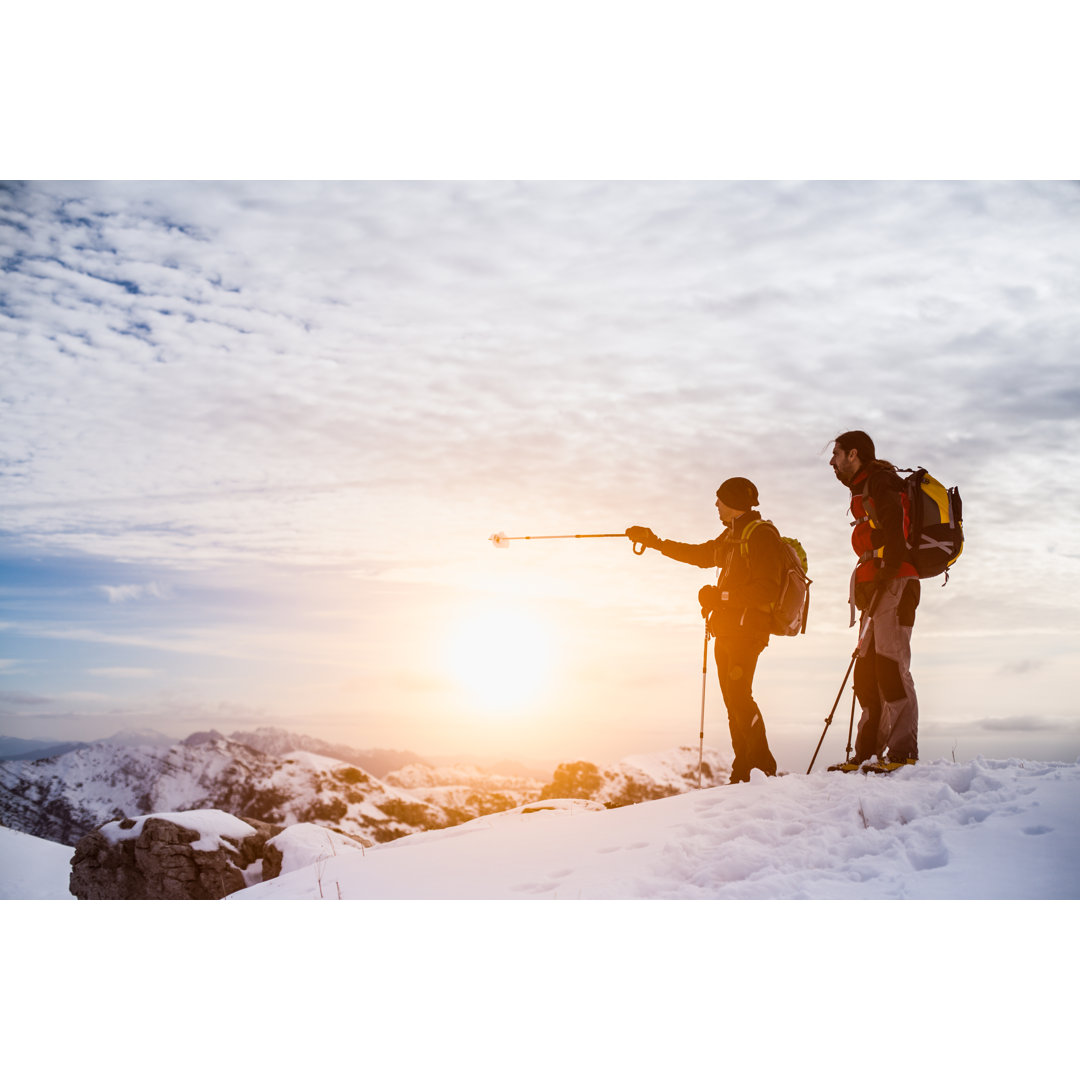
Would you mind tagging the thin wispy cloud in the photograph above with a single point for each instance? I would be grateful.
(1026, 723)
(122, 594)
(122, 673)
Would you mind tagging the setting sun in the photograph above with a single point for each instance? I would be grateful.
(502, 657)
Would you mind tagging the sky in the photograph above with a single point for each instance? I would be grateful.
(256, 436)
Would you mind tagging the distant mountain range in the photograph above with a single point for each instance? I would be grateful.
(12, 749)
(278, 741)
(65, 796)
(285, 778)
(34, 749)
(269, 740)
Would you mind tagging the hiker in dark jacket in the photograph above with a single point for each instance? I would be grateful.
(737, 610)
(889, 723)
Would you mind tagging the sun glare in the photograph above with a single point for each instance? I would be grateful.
(503, 658)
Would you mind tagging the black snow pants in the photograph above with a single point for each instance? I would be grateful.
(736, 661)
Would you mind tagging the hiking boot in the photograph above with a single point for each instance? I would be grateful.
(887, 766)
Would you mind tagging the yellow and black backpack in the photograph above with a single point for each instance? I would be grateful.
(935, 536)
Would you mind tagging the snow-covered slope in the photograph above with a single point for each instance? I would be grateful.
(980, 830)
(32, 868)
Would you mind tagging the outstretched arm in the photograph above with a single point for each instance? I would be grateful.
(703, 555)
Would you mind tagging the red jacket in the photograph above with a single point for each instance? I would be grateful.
(882, 516)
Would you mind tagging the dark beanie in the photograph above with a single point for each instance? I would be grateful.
(738, 493)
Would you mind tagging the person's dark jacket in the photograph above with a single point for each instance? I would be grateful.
(749, 585)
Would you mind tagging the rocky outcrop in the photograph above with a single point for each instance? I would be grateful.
(197, 855)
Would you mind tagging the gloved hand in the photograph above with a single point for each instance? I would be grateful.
(709, 598)
(639, 534)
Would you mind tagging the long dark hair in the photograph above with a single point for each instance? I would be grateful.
(863, 445)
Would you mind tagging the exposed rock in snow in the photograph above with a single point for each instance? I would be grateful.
(198, 855)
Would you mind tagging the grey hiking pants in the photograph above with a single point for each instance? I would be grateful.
(883, 682)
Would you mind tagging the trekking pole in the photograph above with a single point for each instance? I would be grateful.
(704, 680)
(867, 624)
(850, 727)
(828, 719)
(501, 540)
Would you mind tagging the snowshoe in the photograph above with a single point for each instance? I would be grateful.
(882, 768)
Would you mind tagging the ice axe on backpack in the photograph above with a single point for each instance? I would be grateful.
(501, 540)
(867, 624)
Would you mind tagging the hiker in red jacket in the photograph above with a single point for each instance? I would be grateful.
(885, 588)
(737, 611)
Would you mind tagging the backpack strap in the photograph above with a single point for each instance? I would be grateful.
(744, 542)
(744, 537)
